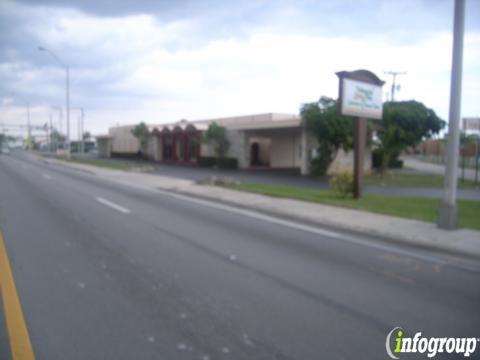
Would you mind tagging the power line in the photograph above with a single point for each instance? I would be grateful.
(394, 75)
(38, 127)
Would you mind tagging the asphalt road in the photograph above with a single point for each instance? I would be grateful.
(106, 271)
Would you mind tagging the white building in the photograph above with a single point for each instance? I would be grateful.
(275, 141)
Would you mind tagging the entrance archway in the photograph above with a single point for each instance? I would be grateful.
(254, 154)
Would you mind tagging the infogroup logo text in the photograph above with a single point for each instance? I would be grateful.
(431, 346)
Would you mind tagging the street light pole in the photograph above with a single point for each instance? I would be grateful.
(448, 210)
(67, 71)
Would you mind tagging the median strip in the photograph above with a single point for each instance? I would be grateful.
(20, 345)
(113, 205)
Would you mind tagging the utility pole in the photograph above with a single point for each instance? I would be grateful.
(60, 118)
(67, 92)
(394, 75)
(81, 143)
(29, 127)
(448, 210)
(80, 129)
(50, 140)
(69, 150)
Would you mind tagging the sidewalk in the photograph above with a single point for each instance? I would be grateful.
(462, 242)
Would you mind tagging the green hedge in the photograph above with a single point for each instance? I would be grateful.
(121, 155)
(206, 161)
(223, 163)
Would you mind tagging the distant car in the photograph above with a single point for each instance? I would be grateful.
(5, 150)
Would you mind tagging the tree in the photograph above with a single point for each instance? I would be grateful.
(57, 139)
(86, 135)
(216, 135)
(405, 124)
(333, 132)
(30, 143)
(140, 131)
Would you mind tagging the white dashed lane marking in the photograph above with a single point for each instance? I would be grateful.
(113, 205)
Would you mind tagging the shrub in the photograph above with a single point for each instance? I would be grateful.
(333, 132)
(216, 135)
(222, 163)
(133, 156)
(227, 163)
(206, 161)
(378, 157)
(319, 165)
(395, 163)
(342, 184)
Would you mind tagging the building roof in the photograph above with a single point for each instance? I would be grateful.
(246, 122)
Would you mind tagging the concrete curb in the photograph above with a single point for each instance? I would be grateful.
(342, 227)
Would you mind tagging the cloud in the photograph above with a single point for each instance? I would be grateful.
(146, 62)
(112, 8)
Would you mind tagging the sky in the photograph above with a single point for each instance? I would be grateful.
(162, 61)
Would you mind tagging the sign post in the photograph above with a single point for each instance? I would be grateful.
(463, 141)
(476, 161)
(360, 95)
(359, 144)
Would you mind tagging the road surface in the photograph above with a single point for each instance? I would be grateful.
(105, 271)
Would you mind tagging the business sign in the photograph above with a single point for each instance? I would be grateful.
(361, 99)
(471, 123)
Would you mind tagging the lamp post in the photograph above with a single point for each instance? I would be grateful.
(67, 72)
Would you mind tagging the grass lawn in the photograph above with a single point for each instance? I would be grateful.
(409, 180)
(425, 209)
(100, 163)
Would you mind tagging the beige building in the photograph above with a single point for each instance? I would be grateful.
(122, 140)
(275, 141)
